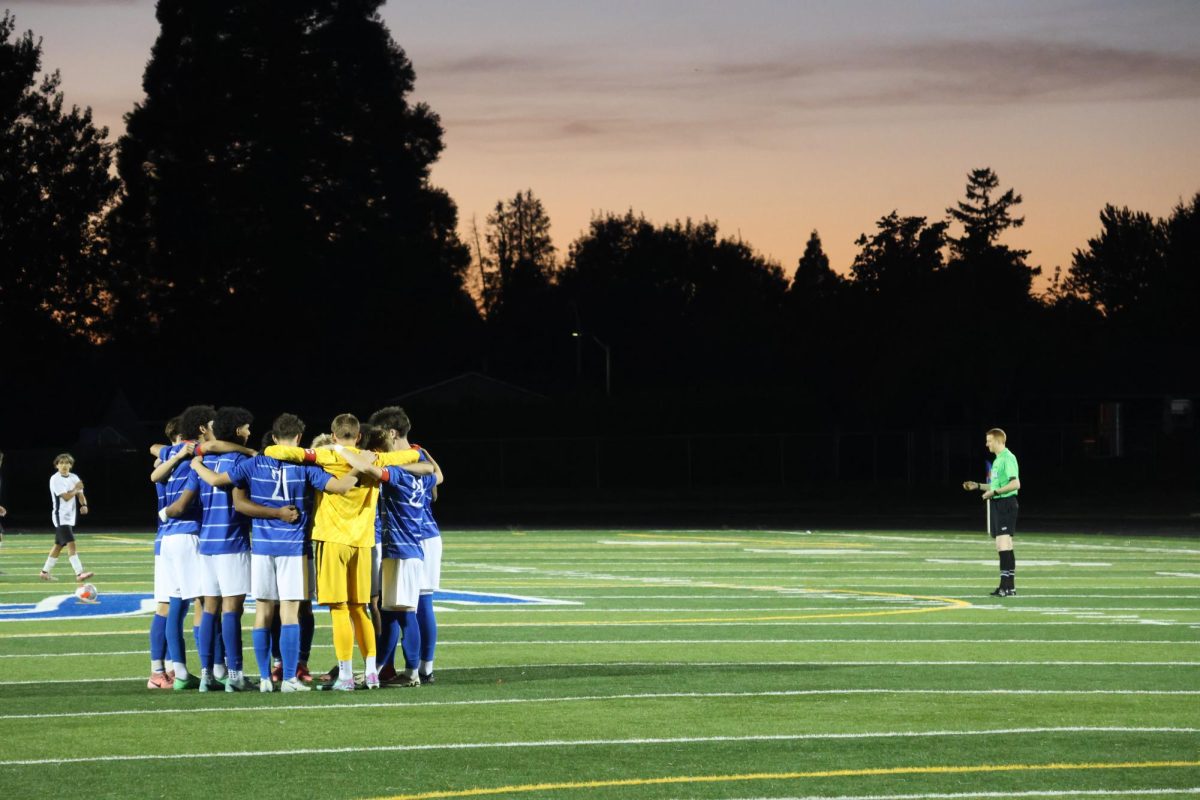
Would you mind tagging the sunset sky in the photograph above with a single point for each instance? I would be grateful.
(773, 117)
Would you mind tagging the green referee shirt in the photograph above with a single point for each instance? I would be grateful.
(1004, 469)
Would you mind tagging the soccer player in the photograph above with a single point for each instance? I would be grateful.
(278, 543)
(179, 535)
(160, 677)
(66, 494)
(225, 550)
(343, 534)
(419, 493)
(1001, 492)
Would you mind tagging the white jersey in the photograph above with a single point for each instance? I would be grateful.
(62, 512)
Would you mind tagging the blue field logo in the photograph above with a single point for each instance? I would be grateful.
(130, 604)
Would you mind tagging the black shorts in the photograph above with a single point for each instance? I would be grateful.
(1004, 516)
(64, 535)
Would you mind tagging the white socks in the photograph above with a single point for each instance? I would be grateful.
(50, 562)
(345, 670)
(76, 563)
(426, 667)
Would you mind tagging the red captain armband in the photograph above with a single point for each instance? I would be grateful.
(387, 475)
(198, 450)
(310, 456)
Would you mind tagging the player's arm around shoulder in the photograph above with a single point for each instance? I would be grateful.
(302, 455)
(243, 504)
(209, 476)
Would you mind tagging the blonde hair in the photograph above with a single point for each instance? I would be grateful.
(67, 457)
(999, 435)
(322, 440)
(344, 426)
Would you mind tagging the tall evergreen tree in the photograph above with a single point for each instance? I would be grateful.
(276, 161)
(980, 264)
(522, 253)
(902, 258)
(813, 275)
(54, 184)
(1120, 265)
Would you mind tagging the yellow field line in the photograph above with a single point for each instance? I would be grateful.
(742, 540)
(783, 776)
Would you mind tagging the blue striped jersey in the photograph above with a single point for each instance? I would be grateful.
(277, 484)
(161, 491)
(181, 480)
(429, 526)
(400, 515)
(222, 530)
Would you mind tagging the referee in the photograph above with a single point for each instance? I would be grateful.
(1002, 494)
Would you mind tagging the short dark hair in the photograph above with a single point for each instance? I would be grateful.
(344, 426)
(373, 438)
(287, 426)
(193, 418)
(228, 420)
(392, 418)
(172, 428)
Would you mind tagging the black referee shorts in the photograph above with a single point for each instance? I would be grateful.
(63, 535)
(1004, 516)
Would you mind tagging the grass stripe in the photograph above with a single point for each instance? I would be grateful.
(638, 742)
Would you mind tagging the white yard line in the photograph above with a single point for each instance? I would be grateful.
(641, 742)
(603, 698)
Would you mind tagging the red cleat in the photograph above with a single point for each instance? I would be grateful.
(159, 680)
(303, 674)
(387, 673)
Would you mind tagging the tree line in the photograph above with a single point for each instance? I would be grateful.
(268, 214)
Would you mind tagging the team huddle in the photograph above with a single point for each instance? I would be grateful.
(350, 516)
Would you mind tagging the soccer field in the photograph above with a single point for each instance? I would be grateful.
(654, 664)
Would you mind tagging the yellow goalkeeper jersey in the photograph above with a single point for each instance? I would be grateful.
(348, 518)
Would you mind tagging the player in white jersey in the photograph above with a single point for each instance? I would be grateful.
(66, 497)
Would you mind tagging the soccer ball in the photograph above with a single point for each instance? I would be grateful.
(87, 593)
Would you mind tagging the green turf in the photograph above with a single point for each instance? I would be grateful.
(713, 664)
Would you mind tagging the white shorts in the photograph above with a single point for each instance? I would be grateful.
(376, 575)
(401, 582)
(180, 554)
(226, 574)
(279, 577)
(431, 581)
(163, 588)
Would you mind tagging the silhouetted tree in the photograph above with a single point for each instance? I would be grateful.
(1121, 264)
(980, 266)
(522, 255)
(54, 184)
(902, 258)
(813, 277)
(677, 303)
(276, 157)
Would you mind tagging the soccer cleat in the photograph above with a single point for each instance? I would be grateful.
(302, 673)
(159, 680)
(371, 680)
(239, 684)
(277, 673)
(295, 685)
(387, 674)
(997, 592)
(1008, 593)
(46, 576)
(265, 686)
(404, 680)
(426, 678)
(344, 684)
(207, 684)
(184, 684)
(83, 576)
(328, 677)
(171, 675)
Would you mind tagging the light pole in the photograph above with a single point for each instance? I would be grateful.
(607, 360)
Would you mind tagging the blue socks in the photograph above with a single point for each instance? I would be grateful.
(390, 638)
(410, 639)
(158, 638)
(204, 640)
(231, 635)
(289, 647)
(176, 613)
(428, 625)
(262, 651)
